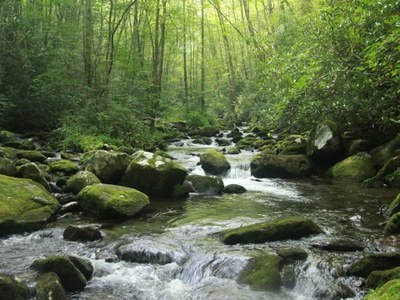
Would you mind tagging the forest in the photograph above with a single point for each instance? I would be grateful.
(118, 71)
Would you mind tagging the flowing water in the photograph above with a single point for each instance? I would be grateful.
(170, 250)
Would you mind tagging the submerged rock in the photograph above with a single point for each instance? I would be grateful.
(49, 287)
(357, 167)
(280, 229)
(214, 162)
(24, 205)
(80, 180)
(12, 289)
(234, 189)
(373, 262)
(112, 201)
(153, 175)
(263, 273)
(108, 166)
(211, 185)
(82, 233)
(378, 278)
(266, 165)
(338, 244)
(291, 255)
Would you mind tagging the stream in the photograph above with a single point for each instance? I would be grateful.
(170, 252)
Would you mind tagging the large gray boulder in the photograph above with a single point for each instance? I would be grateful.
(112, 201)
(266, 165)
(108, 166)
(24, 205)
(153, 174)
(325, 144)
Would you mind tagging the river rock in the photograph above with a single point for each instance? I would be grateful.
(83, 265)
(223, 142)
(8, 152)
(12, 288)
(233, 151)
(214, 162)
(290, 255)
(388, 291)
(108, 166)
(112, 201)
(64, 166)
(359, 145)
(234, 189)
(338, 244)
(33, 156)
(378, 278)
(82, 233)
(80, 180)
(281, 229)
(289, 276)
(394, 207)
(205, 131)
(325, 144)
(383, 153)
(393, 225)
(49, 287)
(7, 167)
(263, 273)
(69, 273)
(373, 262)
(32, 171)
(211, 185)
(153, 175)
(7, 137)
(24, 205)
(357, 167)
(266, 165)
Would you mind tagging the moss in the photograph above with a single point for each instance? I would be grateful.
(83, 265)
(7, 167)
(33, 156)
(383, 153)
(214, 162)
(12, 289)
(64, 166)
(262, 273)
(112, 201)
(373, 262)
(8, 152)
(357, 167)
(7, 136)
(389, 291)
(80, 180)
(292, 254)
(393, 225)
(281, 229)
(49, 287)
(32, 171)
(394, 207)
(206, 184)
(378, 278)
(24, 205)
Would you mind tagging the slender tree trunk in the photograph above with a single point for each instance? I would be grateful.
(185, 75)
(203, 62)
(88, 43)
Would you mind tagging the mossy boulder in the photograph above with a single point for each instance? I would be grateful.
(325, 144)
(72, 279)
(378, 278)
(24, 205)
(383, 153)
(266, 165)
(32, 171)
(211, 185)
(80, 180)
(108, 166)
(234, 189)
(33, 156)
(82, 233)
(7, 167)
(394, 207)
(263, 273)
(153, 174)
(49, 287)
(112, 201)
(64, 166)
(281, 229)
(389, 291)
(12, 288)
(206, 131)
(290, 255)
(357, 167)
(393, 225)
(7, 137)
(338, 245)
(233, 151)
(214, 162)
(223, 142)
(373, 262)
(359, 145)
(8, 152)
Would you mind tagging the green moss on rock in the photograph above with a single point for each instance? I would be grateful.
(7, 167)
(153, 175)
(357, 167)
(80, 180)
(12, 288)
(33, 156)
(24, 205)
(214, 162)
(281, 229)
(32, 171)
(211, 185)
(393, 225)
(378, 278)
(394, 207)
(263, 273)
(373, 262)
(112, 201)
(49, 287)
(389, 291)
(64, 166)
(290, 255)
